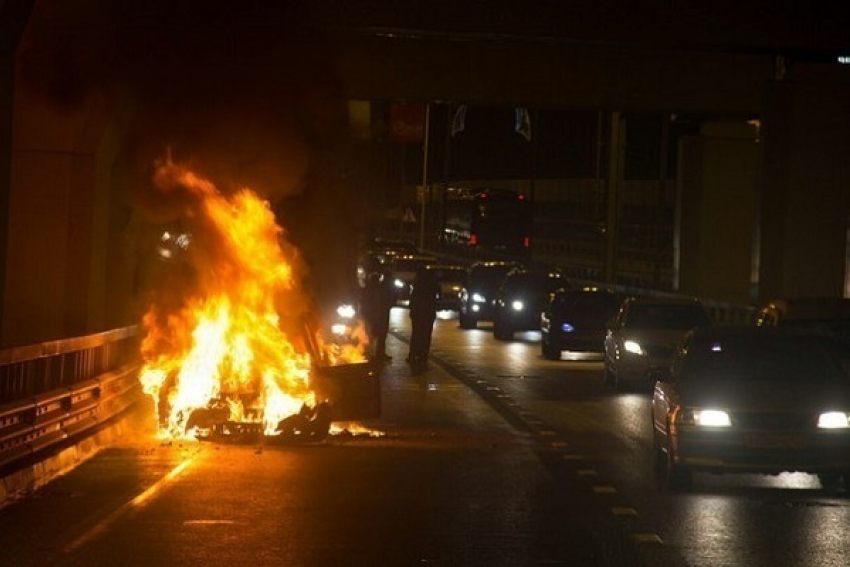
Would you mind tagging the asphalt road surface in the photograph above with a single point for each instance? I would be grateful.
(491, 456)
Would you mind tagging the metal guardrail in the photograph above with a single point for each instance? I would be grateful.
(57, 390)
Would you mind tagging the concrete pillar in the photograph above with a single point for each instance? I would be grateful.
(805, 204)
(716, 212)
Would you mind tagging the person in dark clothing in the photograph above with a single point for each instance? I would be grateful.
(423, 311)
(375, 305)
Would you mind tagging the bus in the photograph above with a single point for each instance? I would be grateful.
(486, 218)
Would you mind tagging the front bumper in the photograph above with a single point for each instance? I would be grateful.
(769, 452)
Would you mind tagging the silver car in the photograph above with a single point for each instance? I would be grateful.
(750, 399)
(644, 335)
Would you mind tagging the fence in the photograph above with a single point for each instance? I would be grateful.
(56, 390)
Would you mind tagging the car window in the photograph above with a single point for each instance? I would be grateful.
(666, 317)
(770, 359)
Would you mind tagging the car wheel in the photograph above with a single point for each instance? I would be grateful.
(467, 322)
(501, 332)
(676, 476)
(611, 377)
(831, 480)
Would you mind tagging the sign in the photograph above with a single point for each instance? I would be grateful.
(407, 123)
(408, 216)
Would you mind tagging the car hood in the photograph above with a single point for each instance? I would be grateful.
(666, 337)
(765, 395)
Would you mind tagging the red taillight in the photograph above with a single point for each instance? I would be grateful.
(473, 240)
(526, 242)
(520, 197)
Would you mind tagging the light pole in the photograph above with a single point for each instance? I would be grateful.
(424, 176)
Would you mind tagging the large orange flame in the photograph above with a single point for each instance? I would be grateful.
(225, 344)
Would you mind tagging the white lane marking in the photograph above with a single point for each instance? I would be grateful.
(135, 503)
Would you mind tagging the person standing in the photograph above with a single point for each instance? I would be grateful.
(423, 311)
(378, 299)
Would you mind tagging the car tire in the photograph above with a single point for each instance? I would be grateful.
(467, 322)
(501, 332)
(611, 377)
(831, 480)
(676, 476)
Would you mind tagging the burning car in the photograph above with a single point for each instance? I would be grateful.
(238, 355)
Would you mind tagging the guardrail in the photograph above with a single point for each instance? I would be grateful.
(58, 390)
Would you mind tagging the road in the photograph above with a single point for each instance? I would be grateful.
(492, 456)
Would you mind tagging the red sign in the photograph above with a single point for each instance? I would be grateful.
(407, 123)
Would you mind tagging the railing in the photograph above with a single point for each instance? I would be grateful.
(54, 391)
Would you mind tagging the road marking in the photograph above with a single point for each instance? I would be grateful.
(648, 538)
(624, 512)
(599, 489)
(137, 502)
(587, 472)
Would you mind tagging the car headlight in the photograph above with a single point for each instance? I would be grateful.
(339, 329)
(517, 305)
(398, 283)
(708, 417)
(833, 420)
(345, 311)
(633, 347)
(567, 328)
(478, 298)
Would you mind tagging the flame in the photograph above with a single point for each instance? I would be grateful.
(224, 348)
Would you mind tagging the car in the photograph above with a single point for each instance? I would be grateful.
(521, 299)
(403, 271)
(479, 294)
(451, 279)
(752, 399)
(574, 322)
(829, 316)
(645, 333)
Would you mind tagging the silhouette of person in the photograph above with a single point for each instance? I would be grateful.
(377, 301)
(423, 311)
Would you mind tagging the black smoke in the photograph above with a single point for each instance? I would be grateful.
(245, 93)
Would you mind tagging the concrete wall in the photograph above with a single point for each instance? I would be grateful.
(806, 191)
(716, 216)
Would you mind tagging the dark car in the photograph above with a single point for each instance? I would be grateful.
(478, 296)
(829, 316)
(403, 270)
(753, 399)
(451, 279)
(645, 333)
(521, 299)
(574, 321)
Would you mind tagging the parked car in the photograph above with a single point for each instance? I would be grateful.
(575, 321)
(829, 316)
(521, 299)
(478, 296)
(451, 279)
(750, 399)
(403, 271)
(645, 333)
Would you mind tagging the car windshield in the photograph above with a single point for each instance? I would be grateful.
(449, 274)
(488, 277)
(666, 317)
(771, 359)
(583, 307)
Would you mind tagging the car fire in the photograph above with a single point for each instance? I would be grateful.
(238, 356)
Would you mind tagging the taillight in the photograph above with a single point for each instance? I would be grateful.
(526, 242)
(473, 240)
